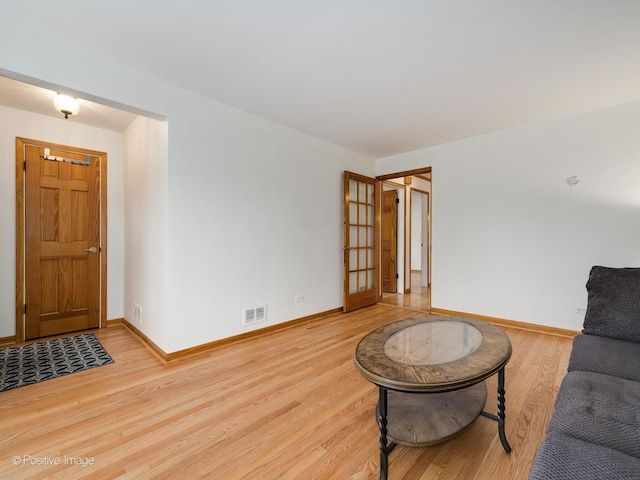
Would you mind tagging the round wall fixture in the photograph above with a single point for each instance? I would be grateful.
(573, 180)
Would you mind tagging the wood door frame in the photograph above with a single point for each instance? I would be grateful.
(394, 241)
(21, 143)
(407, 271)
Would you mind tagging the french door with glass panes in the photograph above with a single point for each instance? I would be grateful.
(361, 234)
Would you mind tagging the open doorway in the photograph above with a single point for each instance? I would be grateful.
(413, 255)
(420, 236)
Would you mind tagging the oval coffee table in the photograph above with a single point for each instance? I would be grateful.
(444, 356)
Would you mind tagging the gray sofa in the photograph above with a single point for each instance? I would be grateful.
(594, 432)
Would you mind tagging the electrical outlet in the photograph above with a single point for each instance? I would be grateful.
(298, 299)
(580, 310)
(137, 313)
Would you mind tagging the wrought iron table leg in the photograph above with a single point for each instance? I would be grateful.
(501, 410)
(385, 448)
(501, 415)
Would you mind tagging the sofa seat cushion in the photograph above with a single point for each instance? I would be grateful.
(561, 457)
(605, 355)
(613, 309)
(599, 409)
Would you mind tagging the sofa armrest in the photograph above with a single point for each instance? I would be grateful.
(613, 308)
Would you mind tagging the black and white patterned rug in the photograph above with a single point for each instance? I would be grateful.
(35, 362)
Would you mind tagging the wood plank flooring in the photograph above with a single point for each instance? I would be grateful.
(286, 405)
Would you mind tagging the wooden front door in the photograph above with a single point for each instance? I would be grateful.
(361, 249)
(389, 240)
(62, 222)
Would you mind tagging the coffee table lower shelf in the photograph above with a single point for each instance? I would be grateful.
(420, 420)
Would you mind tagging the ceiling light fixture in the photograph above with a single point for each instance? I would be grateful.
(66, 104)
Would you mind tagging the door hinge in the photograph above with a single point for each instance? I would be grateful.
(397, 275)
(24, 165)
(24, 308)
(398, 201)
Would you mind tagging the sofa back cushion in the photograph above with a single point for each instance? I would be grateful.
(613, 308)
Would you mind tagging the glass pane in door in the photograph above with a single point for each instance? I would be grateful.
(353, 282)
(362, 192)
(370, 283)
(353, 190)
(363, 258)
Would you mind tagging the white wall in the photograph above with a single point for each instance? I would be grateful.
(254, 211)
(146, 226)
(256, 217)
(510, 238)
(18, 123)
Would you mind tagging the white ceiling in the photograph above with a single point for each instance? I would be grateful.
(378, 77)
(34, 99)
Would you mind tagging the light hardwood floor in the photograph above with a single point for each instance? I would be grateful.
(286, 405)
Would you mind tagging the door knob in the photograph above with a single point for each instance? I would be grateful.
(91, 250)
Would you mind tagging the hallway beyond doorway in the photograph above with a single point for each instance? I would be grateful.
(418, 299)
